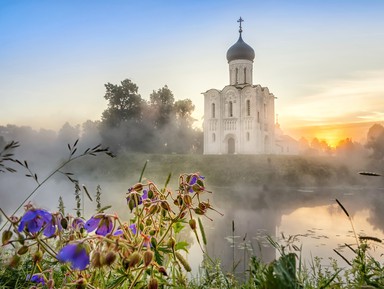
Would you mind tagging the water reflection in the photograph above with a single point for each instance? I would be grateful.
(311, 215)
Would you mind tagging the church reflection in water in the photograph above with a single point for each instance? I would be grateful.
(311, 214)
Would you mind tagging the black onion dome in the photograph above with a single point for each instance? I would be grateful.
(240, 50)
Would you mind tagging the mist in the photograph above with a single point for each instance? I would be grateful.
(257, 194)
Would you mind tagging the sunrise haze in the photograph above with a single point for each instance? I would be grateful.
(323, 60)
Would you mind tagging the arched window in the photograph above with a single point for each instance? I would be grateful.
(213, 137)
(237, 76)
(248, 136)
(213, 110)
(230, 109)
(248, 107)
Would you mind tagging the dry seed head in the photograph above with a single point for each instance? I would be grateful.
(96, 259)
(38, 256)
(171, 243)
(109, 258)
(7, 235)
(22, 250)
(134, 259)
(165, 205)
(153, 284)
(188, 200)
(14, 262)
(162, 271)
(192, 224)
(148, 256)
(138, 187)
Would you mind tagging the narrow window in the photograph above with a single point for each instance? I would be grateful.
(245, 75)
(265, 111)
(213, 137)
(258, 116)
(237, 75)
(248, 107)
(248, 136)
(230, 112)
(213, 110)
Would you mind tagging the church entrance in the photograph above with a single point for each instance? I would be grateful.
(231, 146)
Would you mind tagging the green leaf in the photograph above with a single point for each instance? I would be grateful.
(182, 245)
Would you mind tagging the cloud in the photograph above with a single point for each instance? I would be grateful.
(357, 99)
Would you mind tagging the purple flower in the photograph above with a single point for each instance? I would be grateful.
(196, 180)
(36, 278)
(120, 232)
(133, 228)
(134, 199)
(78, 223)
(36, 219)
(76, 254)
(102, 222)
(145, 194)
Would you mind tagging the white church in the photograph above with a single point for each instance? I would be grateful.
(240, 118)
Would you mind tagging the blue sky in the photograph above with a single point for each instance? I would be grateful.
(323, 60)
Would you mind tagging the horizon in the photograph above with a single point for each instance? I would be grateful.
(322, 61)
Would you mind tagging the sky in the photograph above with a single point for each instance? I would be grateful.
(323, 60)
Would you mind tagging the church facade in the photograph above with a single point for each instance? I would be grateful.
(240, 118)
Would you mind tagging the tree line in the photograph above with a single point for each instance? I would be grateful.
(160, 125)
(129, 123)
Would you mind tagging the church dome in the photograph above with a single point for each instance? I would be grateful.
(240, 50)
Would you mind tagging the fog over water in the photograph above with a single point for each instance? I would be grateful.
(254, 209)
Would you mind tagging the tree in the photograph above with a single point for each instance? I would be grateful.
(375, 141)
(161, 103)
(183, 110)
(124, 104)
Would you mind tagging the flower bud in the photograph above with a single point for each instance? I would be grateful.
(165, 205)
(64, 223)
(154, 242)
(199, 211)
(162, 271)
(96, 259)
(148, 256)
(138, 187)
(172, 243)
(14, 262)
(51, 283)
(134, 259)
(188, 200)
(81, 283)
(152, 232)
(153, 284)
(22, 250)
(109, 258)
(7, 235)
(38, 256)
(192, 224)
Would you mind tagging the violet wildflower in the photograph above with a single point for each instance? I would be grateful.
(76, 254)
(196, 183)
(36, 219)
(78, 223)
(36, 278)
(134, 199)
(102, 222)
(133, 228)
